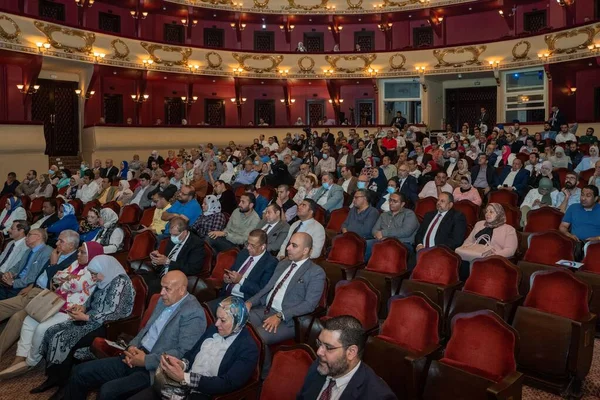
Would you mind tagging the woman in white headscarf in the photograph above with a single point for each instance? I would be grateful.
(110, 236)
(589, 161)
(227, 176)
(301, 48)
(560, 160)
(124, 193)
(299, 121)
(212, 219)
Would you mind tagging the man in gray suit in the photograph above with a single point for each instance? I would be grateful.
(140, 195)
(294, 290)
(331, 195)
(276, 228)
(175, 326)
(26, 271)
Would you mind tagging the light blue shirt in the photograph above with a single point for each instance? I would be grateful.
(42, 281)
(558, 197)
(155, 330)
(246, 178)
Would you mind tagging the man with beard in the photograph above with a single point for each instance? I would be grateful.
(338, 371)
(570, 194)
(243, 220)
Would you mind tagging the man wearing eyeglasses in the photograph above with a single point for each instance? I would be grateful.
(362, 216)
(338, 372)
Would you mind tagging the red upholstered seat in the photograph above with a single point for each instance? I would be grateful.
(133, 184)
(347, 249)
(267, 192)
(504, 197)
(513, 215)
(88, 206)
(26, 201)
(147, 216)
(113, 205)
(562, 175)
(543, 219)
(320, 214)
(357, 298)
(469, 209)
(77, 205)
(413, 323)
(162, 246)
(288, 370)
(388, 257)
(225, 260)
(560, 293)
(591, 261)
(549, 247)
(584, 177)
(149, 310)
(493, 277)
(436, 265)
(482, 344)
(143, 244)
(424, 206)
(130, 215)
(337, 218)
(36, 205)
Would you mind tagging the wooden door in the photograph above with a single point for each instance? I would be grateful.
(214, 112)
(464, 105)
(264, 109)
(315, 111)
(174, 110)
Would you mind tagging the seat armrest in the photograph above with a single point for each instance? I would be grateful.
(509, 388)
(303, 323)
(129, 325)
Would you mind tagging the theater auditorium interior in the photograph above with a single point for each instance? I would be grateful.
(299, 199)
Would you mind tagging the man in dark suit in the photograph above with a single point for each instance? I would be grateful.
(399, 121)
(251, 271)
(445, 226)
(184, 252)
(175, 326)
(348, 182)
(164, 186)
(514, 178)
(110, 171)
(556, 119)
(484, 119)
(408, 185)
(338, 372)
(275, 228)
(482, 174)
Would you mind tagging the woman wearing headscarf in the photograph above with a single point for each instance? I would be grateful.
(125, 173)
(75, 285)
(222, 361)
(377, 185)
(537, 198)
(462, 170)
(227, 176)
(473, 152)
(506, 158)
(124, 194)
(589, 162)
(560, 160)
(111, 235)
(13, 210)
(300, 48)
(45, 188)
(65, 179)
(212, 219)
(112, 300)
(466, 191)
(67, 220)
(71, 191)
(545, 172)
(265, 170)
(90, 226)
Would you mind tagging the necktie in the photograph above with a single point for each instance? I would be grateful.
(433, 224)
(10, 249)
(279, 285)
(326, 395)
(241, 271)
(267, 227)
(26, 267)
(297, 228)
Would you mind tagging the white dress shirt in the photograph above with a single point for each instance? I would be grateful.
(15, 256)
(277, 303)
(39, 222)
(88, 192)
(314, 229)
(211, 354)
(510, 178)
(340, 383)
(236, 289)
(433, 229)
(430, 190)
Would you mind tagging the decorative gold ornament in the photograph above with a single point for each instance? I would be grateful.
(354, 6)
(523, 55)
(211, 64)
(397, 67)
(590, 31)
(304, 69)
(389, 3)
(222, 2)
(366, 58)
(293, 5)
(10, 37)
(48, 30)
(185, 52)
(474, 50)
(263, 4)
(118, 54)
(241, 58)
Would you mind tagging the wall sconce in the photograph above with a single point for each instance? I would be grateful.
(190, 101)
(372, 71)
(147, 63)
(86, 95)
(32, 89)
(136, 15)
(237, 5)
(420, 70)
(288, 103)
(594, 47)
(283, 72)
(496, 67)
(238, 70)
(501, 13)
(336, 101)
(385, 27)
(184, 22)
(288, 28)
(378, 6)
(80, 3)
(193, 68)
(139, 98)
(336, 28)
(328, 72)
(424, 1)
(572, 91)
(238, 25)
(564, 3)
(99, 56)
(544, 56)
(438, 20)
(42, 47)
(238, 102)
(330, 8)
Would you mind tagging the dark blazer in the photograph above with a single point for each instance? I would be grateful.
(9, 189)
(159, 160)
(277, 235)
(110, 173)
(236, 368)
(352, 186)
(426, 158)
(228, 203)
(169, 191)
(364, 385)
(259, 276)
(489, 174)
(520, 182)
(51, 220)
(191, 256)
(534, 180)
(451, 230)
(560, 120)
(51, 270)
(410, 189)
(484, 119)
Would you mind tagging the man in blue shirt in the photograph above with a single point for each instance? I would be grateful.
(246, 176)
(186, 206)
(582, 221)
(261, 202)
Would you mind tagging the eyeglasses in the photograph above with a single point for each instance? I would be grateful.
(326, 346)
(358, 197)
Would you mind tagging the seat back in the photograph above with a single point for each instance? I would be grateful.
(347, 249)
(494, 277)
(88, 206)
(591, 261)
(357, 298)
(337, 218)
(141, 292)
(560, 293)
(36, 205)
(130, 214)
(437, 265)
(482, 344)
(113, 205)
(320, 214)
(413, 323)
(149, 310)
(26, 201)
(504, 197)
(267, 192)
(424, 206)
(261, 349)
(584, 176)
(126, 237)
(143, 244)
(562, 175)
(388, 257)
(225, 260)
(469, 209)
(513, 215)
(543, 219)
(133, 184)
(549, 247)
(147, 216)
(77, 205)
(288, 370)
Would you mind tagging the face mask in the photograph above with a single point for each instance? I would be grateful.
(391, 189)
(293, 157)
(50, 172)
(326, 185)
(452, 160)
(273, 160)
(361, 185)
(82, 166)
(175, 239)
(325, 156)
(234, 163)
(255, 162)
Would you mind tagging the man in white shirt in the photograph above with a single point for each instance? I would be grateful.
(14, 251)
(177, 178)
(272, 146)
(88, 188)
(534, 163)
(306, 223)
(436, 186)
(564, 135)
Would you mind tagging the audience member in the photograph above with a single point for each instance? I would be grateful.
(582, 221)
(49, 215)
(28, 185)
(569, 195)
(186, 206)
(288, 206)
(110, 236)
(10, 185)
(330, 196)
(199, 184)
(275, 227)
(212, 219)
(158, 224)
(362, 216)
(140, 195)
(246, 176)
(347, 181)
(164, 186)
(465, 191)
(226, 197)
(306, 223)
(536, 198)
(44, 189)
(436, 187)
(90, 226)
(110, 171)
(514, 178)
(564, 135)
(242, 221)
(88, 188)
(13, 210)
(14, 251)
(445, 226)
(67, 220)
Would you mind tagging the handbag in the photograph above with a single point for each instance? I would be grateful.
(471, 252)
(44, 305)
(167, 388)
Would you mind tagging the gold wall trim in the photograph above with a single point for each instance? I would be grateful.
(590, 31)
(7, 36)
(293, 6)
(354, 6)
(474, 60)
(524, 53)
(303, 68)
(49, 29)
(242, 58)
(118, 54)
(261, 4)
(389, 3)
(397, 67)
(366, 58)
(151, 48)
(211, 64)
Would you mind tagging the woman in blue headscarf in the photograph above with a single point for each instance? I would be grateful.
(13, 210)
(124, 173)
(67, 220)
(222, 361)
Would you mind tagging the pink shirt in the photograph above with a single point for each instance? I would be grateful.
(472, 195)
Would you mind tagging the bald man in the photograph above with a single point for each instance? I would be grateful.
(175, 326)
(110, 171)
(294, 289)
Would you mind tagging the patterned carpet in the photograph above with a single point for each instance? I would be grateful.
(18, 388)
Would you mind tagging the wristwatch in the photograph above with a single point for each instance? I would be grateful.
(279, 315)
(183, 382)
